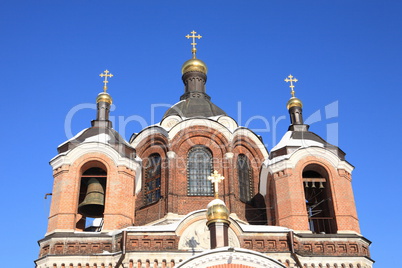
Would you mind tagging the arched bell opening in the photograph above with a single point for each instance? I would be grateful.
(91, 201)
(319, 205)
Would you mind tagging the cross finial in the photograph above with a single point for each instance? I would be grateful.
(105, 74)
(216, 178)
(291, 79)
(194, 49)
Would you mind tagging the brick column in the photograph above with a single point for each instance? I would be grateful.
(119, 200)
(291, 205)
(64, 198)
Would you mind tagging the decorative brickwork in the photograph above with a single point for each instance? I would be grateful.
(157, 219)
(119, 200)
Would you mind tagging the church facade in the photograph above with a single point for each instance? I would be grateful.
(146, 202)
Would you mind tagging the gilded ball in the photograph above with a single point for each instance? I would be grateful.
(103, 96)
(217, 211)
(194, 65)
(293, 101)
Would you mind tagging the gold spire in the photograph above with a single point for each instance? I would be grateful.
(104, 96)
(216, 178)
(291, 79)
(193, 36)
(293, 101)
(106, 75)
(217, 210)
(194, 64)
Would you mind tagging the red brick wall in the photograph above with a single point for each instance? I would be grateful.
(174, 172)
(290, 201)
(119, 194)
(147, 213)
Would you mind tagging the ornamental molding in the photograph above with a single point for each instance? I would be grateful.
(71, 156)
(316, 152)
(230, 255)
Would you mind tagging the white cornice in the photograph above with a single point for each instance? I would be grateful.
(290, 161)
(242, 131)
(71, 156)
(154, 129)
(200, 122)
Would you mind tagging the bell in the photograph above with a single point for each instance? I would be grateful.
(313, 184)
(306, 184)
(321, 185)
(94, 201)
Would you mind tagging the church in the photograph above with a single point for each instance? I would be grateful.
(198, 190)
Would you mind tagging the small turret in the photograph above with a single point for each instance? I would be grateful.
(195, 101)
(103, 102)
(218, 216)
(294, 107)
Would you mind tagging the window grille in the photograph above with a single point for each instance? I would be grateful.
(245, 178)
(152, 187)
(199, 167)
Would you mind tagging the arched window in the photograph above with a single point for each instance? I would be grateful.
(245, 178)
(199, 167)
(152, 188)
(318, 200)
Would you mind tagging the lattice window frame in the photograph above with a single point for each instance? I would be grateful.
(198, 171)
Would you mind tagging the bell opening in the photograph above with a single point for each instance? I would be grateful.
(318, 198)
(92, 197)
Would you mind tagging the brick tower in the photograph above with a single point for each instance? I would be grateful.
(143, 203)
(308, 174)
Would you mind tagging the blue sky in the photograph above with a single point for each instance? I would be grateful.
(345, 54)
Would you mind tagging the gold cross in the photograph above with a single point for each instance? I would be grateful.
(291, 80)
(194, 49)
(106, 75)
(216, 178)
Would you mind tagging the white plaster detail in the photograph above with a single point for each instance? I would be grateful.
(101, 138)
(288, 141)
(228, 122)
(290, 161)
(73, 138)
(71, 156)
(229, 130)
(242, 131)
(247, 228)
(200, 122)
(171, 155)
(196, 237)
(264, 179)
(138, 176)
(230, 255)
(170, 121)
(229, 155)
(148, 131)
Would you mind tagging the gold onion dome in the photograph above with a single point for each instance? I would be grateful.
(293, 101)
(105, 97)
(217, 211)
(194, 65)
